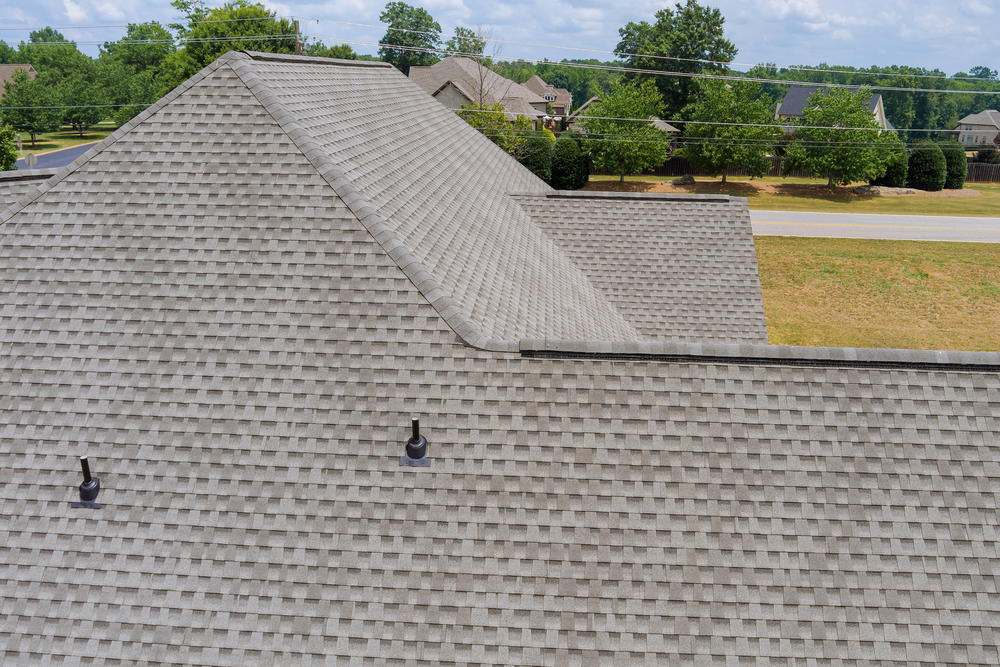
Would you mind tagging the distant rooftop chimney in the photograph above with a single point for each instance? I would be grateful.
(416, 449)
(89, 489)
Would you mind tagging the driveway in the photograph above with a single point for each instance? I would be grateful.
(56, 159)
(876, 226)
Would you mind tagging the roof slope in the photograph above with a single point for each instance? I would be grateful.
(987, 117)
(678, 268)
(16, 184)
(442, 188)
(240, 357)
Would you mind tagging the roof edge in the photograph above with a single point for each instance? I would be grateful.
(141, 117)
(945, 360)
(313, 60)
(608, 194)
(399, 252)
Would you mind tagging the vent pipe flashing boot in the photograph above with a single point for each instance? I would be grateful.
(89, 489)
(416, 449)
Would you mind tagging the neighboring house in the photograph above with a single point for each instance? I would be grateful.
(794, 104)
(980, 129)
(574, 124)
(560, 98)
(457, 81)
(7, 74)
(235, 304)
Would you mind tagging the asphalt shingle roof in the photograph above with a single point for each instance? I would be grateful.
(474, 80)
(17, 184)
(236, 340)
(794, 103)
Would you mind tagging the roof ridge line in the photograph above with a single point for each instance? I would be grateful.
(769, 354)
(62, 172)
(400, 253)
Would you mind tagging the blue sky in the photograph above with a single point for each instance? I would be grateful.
(950, 36)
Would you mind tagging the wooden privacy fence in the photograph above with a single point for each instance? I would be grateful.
(678, 166)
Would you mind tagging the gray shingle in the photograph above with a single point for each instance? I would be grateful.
(240, 357)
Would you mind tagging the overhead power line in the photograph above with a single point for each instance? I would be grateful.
(617, 54)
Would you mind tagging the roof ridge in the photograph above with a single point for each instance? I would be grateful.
(400, 253)
(63, 172)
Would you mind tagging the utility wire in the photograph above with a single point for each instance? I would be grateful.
(617, 54)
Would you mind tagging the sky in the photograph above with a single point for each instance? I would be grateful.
(952, 37)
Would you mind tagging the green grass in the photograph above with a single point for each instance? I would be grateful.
(66, 137)
(817, 198)
(888, 294)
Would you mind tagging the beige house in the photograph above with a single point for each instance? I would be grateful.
(560, 98)
(7, 73)
(979, 129)
(457, 81)
(794, 104)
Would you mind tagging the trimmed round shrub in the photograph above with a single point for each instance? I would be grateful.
(957, 165)
(927, 169)
(538, 157)
(895, 171)
(565, 164)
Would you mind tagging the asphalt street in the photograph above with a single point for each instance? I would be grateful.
(55, 159)
(875, 226)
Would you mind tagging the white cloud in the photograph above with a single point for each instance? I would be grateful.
(977, 8)
(74, 12)
(109, 11)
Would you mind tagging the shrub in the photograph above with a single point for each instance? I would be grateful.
(565, 164)
(538, 157)
(956, 164)
(988, 156)
(8, 154)
(895, 171)
(927, 169)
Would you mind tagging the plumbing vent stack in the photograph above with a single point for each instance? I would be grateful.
(416, 448)
(90, 488)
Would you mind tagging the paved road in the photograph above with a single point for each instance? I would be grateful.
(875, 226)
(55, 159)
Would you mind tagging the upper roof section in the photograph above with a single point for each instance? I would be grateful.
(431, 189)
(7, 72)
(537, 85)
(988, 117)
(476, 81)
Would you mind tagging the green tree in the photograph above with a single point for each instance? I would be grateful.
(491, 120)
(839, 139)
(8, 54)
(983, 72)
(537, 157)
(715, 149)
(569, 168)
(620, 137)
(691, 32)
(409, 28)
(895, 169)
(957, 166)
(465, 42)
(928, 169)
(24, 103)
(84, 102)
(208, 33)
(46, 35)
(8, 150)
(145, 46)
(341, 51)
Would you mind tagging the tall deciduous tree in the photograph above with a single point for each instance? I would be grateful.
(491, 120)
(342, 51)
(24, 105)
(208, 33)
(619, 143)
(839, 139)
(716, 149)
(409, 28)
(144, 47)
(466, 42)
(690, 32)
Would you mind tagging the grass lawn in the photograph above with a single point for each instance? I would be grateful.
(801, 194)
(888, 294)
(66, 137)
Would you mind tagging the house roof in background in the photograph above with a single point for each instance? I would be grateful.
(472, 77)
(235, 304)
(987, 117)
(7, 73)
(794, 103)
(538, 86)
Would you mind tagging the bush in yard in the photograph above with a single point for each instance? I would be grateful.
(895, 170)
(957, 165)
(8, 154)
(538, 157)
(927, 168)
(566, 164)
(988, 156)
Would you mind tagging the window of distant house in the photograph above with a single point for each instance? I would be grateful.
(548, 98)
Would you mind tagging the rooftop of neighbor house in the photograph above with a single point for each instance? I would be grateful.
(236, 303)
(478, 83)
(794, 103)
(989, 117)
